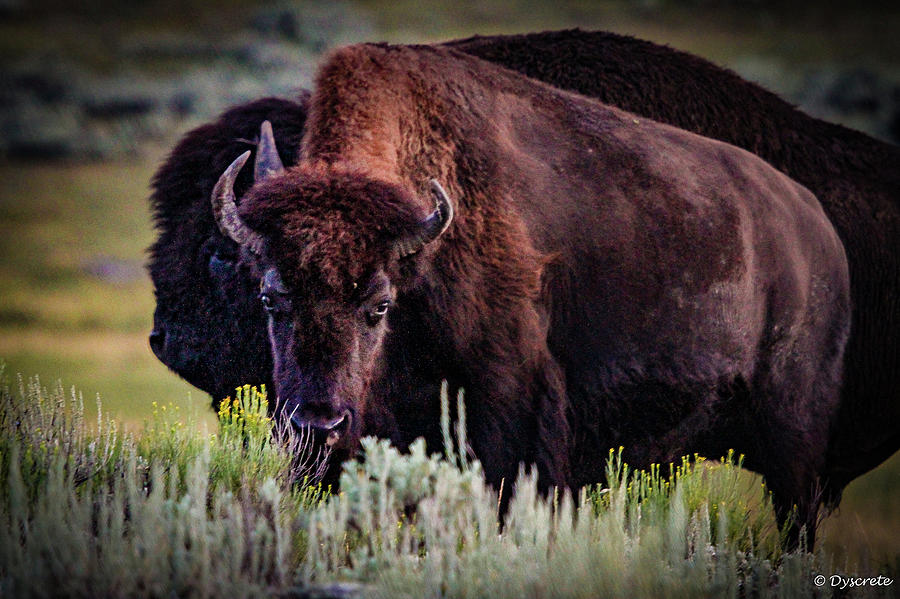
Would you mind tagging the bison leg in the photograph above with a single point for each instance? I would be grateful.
(533, 434)
(796, 508)
(789, 450)
(518, 416)
(794, 420)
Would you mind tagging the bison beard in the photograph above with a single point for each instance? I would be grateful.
(606, 280)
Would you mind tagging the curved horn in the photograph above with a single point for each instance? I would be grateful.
(225, 209)
(267, 163)
(432, 227)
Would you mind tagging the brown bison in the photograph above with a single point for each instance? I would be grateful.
(210, 329)
(590, 278)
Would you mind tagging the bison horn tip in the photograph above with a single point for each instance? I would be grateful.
(268, 162)
(432, 227)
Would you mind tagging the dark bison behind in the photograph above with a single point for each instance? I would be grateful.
(213, 337)
(208, 326)
(596, 280)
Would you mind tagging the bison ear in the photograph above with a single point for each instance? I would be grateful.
(268, 163)
(225, 209)
(431, 228)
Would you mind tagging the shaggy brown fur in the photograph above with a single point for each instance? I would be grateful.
(606, 280)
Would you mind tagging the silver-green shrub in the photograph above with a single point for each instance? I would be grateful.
(95, 513)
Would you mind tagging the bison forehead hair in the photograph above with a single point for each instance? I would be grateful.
(333, 224)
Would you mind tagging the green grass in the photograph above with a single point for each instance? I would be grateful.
(93, 33)
(107, 514)
(59, 320)
(177, 512)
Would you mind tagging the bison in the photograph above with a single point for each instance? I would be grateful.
(590, 278)
(209, 330)
(208, 326)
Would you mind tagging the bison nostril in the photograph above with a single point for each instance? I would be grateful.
(325, 431)
(158, 342)
(338, 428)
(333, 424)
(298, 423)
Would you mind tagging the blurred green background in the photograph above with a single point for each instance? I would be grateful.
(94, 96)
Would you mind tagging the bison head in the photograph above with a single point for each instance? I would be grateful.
(334, 251)
(208, 325)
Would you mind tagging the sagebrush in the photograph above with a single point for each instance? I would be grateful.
(86, 510)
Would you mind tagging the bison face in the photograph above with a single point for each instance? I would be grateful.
(335, 250)
(326, 353)
(208, 326)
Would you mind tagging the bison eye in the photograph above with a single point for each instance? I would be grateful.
(267, 302)
(219, 265)
(220, 258)
(275, 303)
(377, 313)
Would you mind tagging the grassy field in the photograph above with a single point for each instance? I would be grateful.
(76, 304)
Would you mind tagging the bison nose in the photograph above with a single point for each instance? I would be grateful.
(158, 342)
(325, 431)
